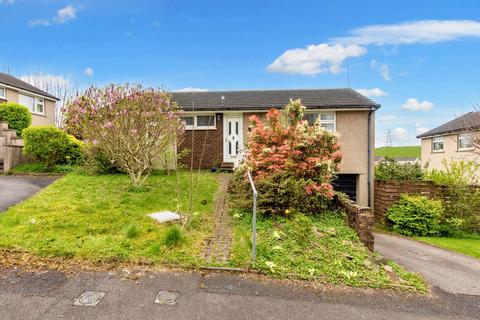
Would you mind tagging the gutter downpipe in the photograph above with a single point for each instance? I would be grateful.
(369, 152)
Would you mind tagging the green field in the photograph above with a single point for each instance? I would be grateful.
(469, 247)
(394, 152)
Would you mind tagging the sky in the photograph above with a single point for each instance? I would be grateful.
(418, 59)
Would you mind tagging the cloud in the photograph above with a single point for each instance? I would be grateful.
(383, 68)
(411, 32)
(88, 72)
(386, 118)
(191, 89)
(315, 59)
(64, 15)
(420, 130)
(47, 82)
(374, 92)
(413, 104)
(7, 1)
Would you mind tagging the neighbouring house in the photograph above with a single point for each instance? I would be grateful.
(42, 107)
(451, 141)
(41, 104)
(217, 126)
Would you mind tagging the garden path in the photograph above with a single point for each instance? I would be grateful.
(217, 247)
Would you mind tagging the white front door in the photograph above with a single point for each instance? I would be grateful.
(232, 137)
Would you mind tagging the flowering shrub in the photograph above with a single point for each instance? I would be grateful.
(128, 124)
(291, 160)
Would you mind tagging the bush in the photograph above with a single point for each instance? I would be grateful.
(97, 162)
(415, 216)
(389, 169)
(52, 146)
(173, 236)
(17, 116)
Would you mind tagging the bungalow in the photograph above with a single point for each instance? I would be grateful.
(217, 126)
(451, 141)
(40, 103)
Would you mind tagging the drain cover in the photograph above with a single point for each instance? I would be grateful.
(166, 297)
(89, 299)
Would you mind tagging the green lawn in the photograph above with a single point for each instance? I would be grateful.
(393, 152)
(98, 218)
(322, 249)
(469, 247)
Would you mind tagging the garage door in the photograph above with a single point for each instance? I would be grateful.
(347, 183)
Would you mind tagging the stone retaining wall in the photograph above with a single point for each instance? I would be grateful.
(361, 219)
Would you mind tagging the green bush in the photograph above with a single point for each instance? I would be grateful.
(390, 169)
(17, 116)
(173, 236)
(52, 146)
(97, 162)
(415, 216)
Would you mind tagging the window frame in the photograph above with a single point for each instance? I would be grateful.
(460, 137)
(195, 125)
(319, 116)
(36, 101)
(4, 96)
(433, 144)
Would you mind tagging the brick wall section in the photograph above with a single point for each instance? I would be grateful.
(361, 219)
(207, 149)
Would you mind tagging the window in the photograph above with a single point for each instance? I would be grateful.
(437, 144)
(464, 142)
(36, 105)
(206, 121)
(327, 120)
(3, 93)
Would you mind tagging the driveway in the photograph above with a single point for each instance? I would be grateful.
(51, 295)
(448, 270)
(14, 189)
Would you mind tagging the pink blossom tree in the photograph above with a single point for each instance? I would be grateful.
(131, 125)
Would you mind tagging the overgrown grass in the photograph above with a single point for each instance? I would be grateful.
(320, 248)
(97, 218)
(394, 152)
(38, 167)
(468, 246)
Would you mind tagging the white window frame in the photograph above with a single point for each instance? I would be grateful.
(195, 125)
(36, 101)
(438, 139)
(4, 93)
(462, 136)
(319, 119)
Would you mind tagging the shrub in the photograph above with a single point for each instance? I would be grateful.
(173, 236)
(17, 116)
(389, 169)
(131, 125)
(52, 146)
(97, 162)
(415, 215)
(292, 163)
(461, 210)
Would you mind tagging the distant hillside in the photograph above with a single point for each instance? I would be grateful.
(394, 152)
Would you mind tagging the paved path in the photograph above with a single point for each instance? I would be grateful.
(448, 270)
(14, 189)
(50, 295)
(217, 247)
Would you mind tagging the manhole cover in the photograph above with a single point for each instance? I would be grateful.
(166, 297)
(89, 299)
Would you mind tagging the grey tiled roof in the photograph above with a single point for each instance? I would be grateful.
(468, 121)
(17, 83)
(266, 99)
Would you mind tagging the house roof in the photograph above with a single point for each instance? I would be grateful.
(468, 121)
(266, 99)
(9, 80)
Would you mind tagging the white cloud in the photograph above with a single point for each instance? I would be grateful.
(7, 1)
(386, 118)
(88, 72)
(410, 32)
(191, 89)
(383, 68)
(413, 104)
(315, 59)
(400, 134)
(374, 92)
(63, 15)
(420, 130)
